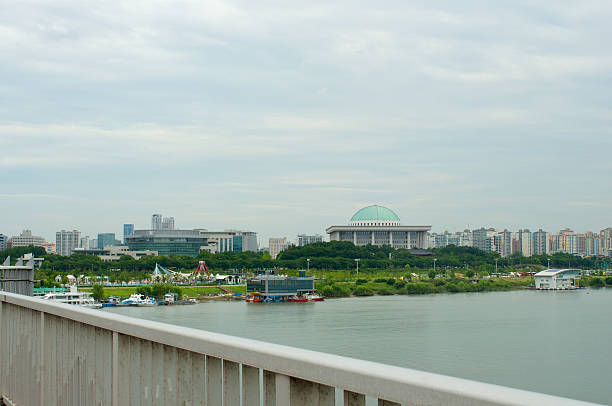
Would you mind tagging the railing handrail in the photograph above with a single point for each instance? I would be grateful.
(372, 379)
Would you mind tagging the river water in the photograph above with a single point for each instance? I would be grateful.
(549, 342)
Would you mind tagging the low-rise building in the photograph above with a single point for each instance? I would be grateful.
(114, 252)
(305, 239)
(49, 247)
(557, 279)
(26, 238)
(168, 242)
(378, 225)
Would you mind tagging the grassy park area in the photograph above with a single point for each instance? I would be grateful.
(190, 291)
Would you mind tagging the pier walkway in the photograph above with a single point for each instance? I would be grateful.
(57, 354)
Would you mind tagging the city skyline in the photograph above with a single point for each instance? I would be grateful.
(146, 225)
(285, 118)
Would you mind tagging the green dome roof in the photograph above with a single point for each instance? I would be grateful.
(374, 213)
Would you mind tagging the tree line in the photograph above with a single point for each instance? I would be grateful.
(334, 255)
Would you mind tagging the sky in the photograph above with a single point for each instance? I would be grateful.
(286, 117)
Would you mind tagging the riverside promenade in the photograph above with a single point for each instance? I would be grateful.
(57, 354)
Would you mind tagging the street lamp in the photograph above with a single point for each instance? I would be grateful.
(357, 262)
(435, 259)
(548, 259)
(495, 265)
(307, 264)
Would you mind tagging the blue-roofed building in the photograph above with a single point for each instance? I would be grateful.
(378, 225)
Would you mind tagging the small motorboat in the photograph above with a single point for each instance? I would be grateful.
(297, 299)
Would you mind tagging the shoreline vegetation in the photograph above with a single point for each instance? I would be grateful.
(361, 287)
(383, 270)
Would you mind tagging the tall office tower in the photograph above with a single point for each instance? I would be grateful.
(128, 229)
(3, 242)
(305, 239)
(106, 239)
(277, 245)
(66, 242)
(84, 243)
(156, 222)
(167, 223)
(540, 242)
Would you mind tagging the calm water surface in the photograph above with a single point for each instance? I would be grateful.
(550, 342)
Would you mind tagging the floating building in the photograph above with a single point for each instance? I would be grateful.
(557, 279)
(378, 225)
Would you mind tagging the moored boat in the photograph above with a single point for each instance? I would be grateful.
(73, 297)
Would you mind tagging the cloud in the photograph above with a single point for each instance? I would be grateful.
(443, 110)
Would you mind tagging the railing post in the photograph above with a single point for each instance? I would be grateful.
(115, 369)
(283, 392)
(353, 399)
(214, 381)
(2, 346)
(42, 366)
(250, 386)
(382, 402)
(231, 383)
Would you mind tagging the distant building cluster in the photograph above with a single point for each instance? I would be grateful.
(375, 225)
(527, 242)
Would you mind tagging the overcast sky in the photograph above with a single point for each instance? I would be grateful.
(285, 117)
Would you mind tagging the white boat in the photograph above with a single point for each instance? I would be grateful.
(73, 297)
(138, 300)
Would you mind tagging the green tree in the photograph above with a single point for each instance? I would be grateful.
(97, 292)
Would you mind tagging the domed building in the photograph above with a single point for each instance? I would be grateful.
(378, 225)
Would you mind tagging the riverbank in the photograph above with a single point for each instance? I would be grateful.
(391, 286)
(189, 291)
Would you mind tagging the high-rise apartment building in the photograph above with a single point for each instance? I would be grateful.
(567, 241)
(156, 222)
(504, 245)
(305, 239)
(606, 237)
(85, 243)
(3, 242)
(128, 229)
(25, 239)
(277, 245)
(526, 242)
(481, 239)
(168, 223)
(67, 241)
(540, 242)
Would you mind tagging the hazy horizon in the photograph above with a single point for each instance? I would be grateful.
(285, 118)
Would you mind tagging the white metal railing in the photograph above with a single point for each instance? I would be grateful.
(57, 354)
